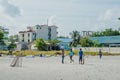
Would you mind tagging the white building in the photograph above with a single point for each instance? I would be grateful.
(26, 36)
(38, 31)
(86, 33)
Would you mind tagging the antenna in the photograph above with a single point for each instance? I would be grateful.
(47, 21)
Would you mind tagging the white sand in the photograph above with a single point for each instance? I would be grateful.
(51, 69)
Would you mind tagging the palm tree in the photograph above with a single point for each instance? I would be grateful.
(76, 38)
(119, 18)
(1, 35)
(119, 27)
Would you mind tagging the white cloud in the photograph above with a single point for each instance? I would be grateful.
(72, 14)
(51, 20)
(110, 14)
(10, 9)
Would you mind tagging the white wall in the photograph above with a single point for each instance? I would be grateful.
(104, 49)
(42, 32)
(53, 32)
(25, 36)
(20, 37)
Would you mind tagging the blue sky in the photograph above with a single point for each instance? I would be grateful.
(68, 15)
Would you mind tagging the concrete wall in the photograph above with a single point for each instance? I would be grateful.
(26, 37)
(53, 32)
(104, 49)
(42, 32)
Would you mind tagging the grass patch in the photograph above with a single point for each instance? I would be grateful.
(36, 53)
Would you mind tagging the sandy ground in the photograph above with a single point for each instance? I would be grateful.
(51, 69)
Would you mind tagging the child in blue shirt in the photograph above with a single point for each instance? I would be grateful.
(71, 54)
(81, 61)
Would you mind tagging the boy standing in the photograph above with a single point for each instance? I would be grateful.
(100, 53)
(71, 54)
(81, 60)
(63, 56)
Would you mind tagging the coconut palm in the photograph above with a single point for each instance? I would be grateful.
(119, 18)
(76, 38)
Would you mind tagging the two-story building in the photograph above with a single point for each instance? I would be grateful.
(86, 33)
(38, 31)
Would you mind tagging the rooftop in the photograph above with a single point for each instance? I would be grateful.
(107, 39)
(65, 39)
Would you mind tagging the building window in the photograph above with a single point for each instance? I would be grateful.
(22, 35)
(23, 40)
(49, 29)
(34, 36)
(49, 33)
(36, 27)
(28, 35)
(28, 40)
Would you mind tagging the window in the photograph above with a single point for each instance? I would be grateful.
(49, 33)
(23, 40)
(49, 29)
(22, 35)
(28, 35)
(36, 27)
(34, 36)
(28, 40)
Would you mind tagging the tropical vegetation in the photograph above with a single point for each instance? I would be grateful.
(75, 35)
(106, 32)
(1, 35)
(13, 38)
(86, 42)
(40, 44)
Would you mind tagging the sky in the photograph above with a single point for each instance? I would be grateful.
(68, 15)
